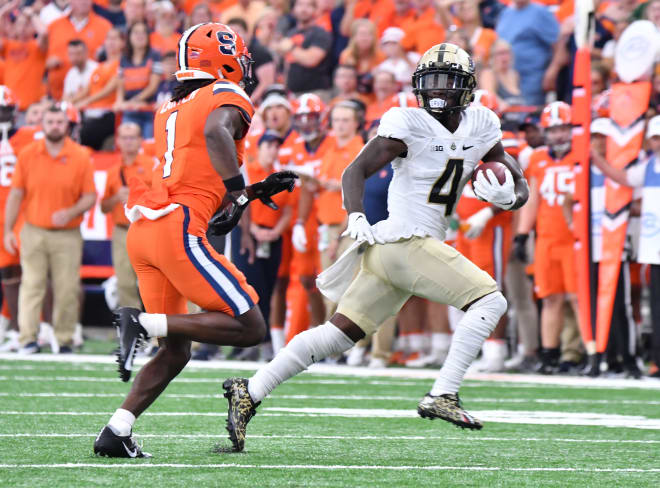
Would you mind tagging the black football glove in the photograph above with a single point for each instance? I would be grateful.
(229, 215)
(520, 247)
(272, 185)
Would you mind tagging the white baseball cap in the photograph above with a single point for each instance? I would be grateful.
(600, 126)
(392, 34)
(274, 100)
(653, 127)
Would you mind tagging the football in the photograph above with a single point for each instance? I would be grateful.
(498, 168)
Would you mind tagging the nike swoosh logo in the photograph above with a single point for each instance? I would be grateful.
(129, 452)
(465, 148)
(127, 364)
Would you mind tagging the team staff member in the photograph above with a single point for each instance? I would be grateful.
(54, 178)
(343, 146)
(131, 164)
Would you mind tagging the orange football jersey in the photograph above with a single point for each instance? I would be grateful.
(554, 178)
(186, 175)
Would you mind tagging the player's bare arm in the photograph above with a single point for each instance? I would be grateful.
(498, 154)
(223, 126)
(377, 153)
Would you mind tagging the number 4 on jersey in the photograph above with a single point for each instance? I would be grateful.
(170, 128)
(453, 171)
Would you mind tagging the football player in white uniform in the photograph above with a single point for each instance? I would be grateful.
(434, 150)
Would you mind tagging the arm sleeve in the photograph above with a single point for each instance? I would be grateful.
(547, 27)
(18, 178)
(394, 125)
(319, 38)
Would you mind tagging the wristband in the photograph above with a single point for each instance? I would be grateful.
(236, 183)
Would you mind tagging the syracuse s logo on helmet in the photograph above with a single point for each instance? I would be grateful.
(227, 43)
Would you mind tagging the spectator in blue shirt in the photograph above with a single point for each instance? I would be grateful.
(531, 30)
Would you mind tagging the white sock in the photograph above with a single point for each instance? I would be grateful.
(277, 338)
(304, 349)
(440, 341)
(473, 329)
(154, 323)
(121, 422)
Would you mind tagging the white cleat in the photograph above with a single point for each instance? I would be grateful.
(492, 359)
(436, 358)
(11, 344)
(377, 363)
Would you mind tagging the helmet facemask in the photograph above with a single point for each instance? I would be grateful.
(308, 125)
(249, 81)
(442, 90)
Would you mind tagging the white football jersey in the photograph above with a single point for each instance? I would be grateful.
(429, 178)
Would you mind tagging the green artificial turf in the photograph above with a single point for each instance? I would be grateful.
(51, 412)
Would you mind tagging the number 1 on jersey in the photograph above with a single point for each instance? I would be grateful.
(454, 168)
(170, 128)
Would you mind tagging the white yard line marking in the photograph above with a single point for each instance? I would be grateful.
(341, 370)
(359, 438)
(323, 467)
(497, 416)
(201, 396)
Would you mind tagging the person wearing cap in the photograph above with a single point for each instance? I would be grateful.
(646, 176)
(54, 181)
(130, 163)
(266, 228)
(398, 61)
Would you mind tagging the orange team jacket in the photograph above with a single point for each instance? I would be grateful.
(554, 178)
(334, 162)
(260, 213)
(120, 175)
(186, 175)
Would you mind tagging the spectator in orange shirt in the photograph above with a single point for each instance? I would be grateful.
(54, 179)
(99, 98)
(26, 57)
(165, 37)
(385, 87)
(131, 164)
(81, 24)
(248, 10)
(426, 30)
(140, 71)
(363, 53)
(378, 11)
(468, 18)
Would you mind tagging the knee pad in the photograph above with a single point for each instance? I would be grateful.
(489, 309)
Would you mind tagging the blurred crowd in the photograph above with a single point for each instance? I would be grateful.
(92, 74)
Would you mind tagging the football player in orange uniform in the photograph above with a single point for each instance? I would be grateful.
(12, 141)
(307, 150)
(551, 177)
(199, 142)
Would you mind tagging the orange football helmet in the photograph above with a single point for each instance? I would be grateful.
(308, 116)
(555, 114)
(7, 98)
(213, 51)
(486, 99)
